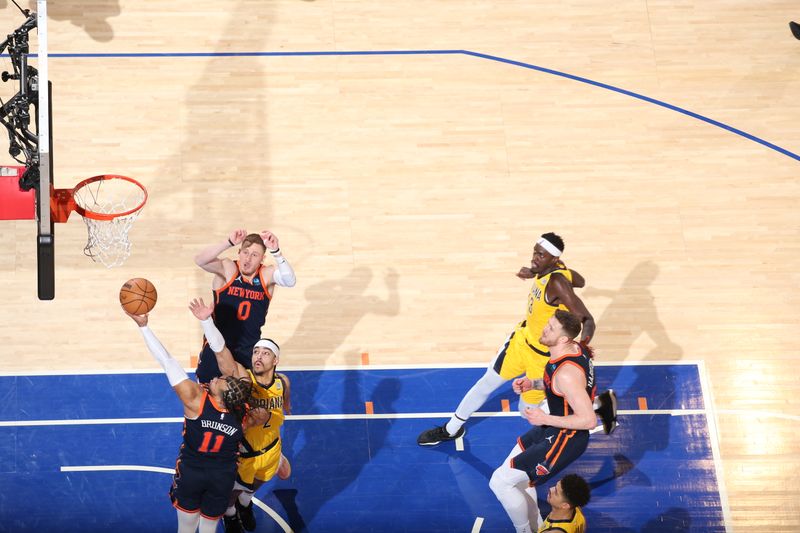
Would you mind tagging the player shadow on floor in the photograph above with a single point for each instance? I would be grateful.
(310, 449)
(335, 307)
(93, 20)
(630, 314)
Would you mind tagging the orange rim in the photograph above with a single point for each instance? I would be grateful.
(107, 216)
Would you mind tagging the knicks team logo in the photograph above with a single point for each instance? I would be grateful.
(541, 470)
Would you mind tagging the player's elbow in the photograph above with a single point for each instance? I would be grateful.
(588, 421)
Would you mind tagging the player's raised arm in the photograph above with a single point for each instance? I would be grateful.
(227, 365)
(562, 289)
(188, 391)
(282, 273)
(208, 258)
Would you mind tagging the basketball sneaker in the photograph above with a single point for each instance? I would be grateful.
(232, 523)
(246, 516)
(607, 410)
(432, 437)
(795, 27)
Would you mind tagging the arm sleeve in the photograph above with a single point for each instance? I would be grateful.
(283, 275)
(215, 340)
(175, 373)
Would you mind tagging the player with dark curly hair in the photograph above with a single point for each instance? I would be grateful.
(213, 427)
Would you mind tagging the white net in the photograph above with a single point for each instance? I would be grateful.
(108, 237)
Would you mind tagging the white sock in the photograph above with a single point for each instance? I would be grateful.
(187, 522)
(207, 525)
(245, 497)
(474, 399)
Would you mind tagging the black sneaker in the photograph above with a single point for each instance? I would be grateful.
(795, 27)
(607, 410)
(246, 516)
(432, 437)
(232, 523)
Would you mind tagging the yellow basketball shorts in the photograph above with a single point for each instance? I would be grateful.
(262, 467)
(516, 357)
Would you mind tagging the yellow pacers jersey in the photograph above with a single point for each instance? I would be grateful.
(539, 311)
(576, 525)
(270, 398)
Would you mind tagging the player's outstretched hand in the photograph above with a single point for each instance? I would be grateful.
(525, 273)
(270, 240)
(237, 236)
(199, 309)
(141, 320)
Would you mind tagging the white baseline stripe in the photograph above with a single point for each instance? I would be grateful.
(114, 468)
(711, 420)
(359, 416)
(171, 471)
(476, 527)
(423, 366)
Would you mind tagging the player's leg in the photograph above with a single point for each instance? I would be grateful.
(507, 364)
(185, 494)
(509, 486)
(219, 484)
(208, 525)
(266, 466)
(187, 522)
(284, 468)
(245, 476)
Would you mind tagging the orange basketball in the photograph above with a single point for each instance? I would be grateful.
(138, 296)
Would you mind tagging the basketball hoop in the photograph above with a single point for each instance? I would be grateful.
(109, 205)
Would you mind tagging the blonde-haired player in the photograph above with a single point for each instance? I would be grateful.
(260, 456)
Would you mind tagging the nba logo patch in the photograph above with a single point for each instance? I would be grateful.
(541, 470)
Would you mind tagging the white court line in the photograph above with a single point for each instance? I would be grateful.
(476, 527)
(752, 413)
(359, 416)
(171, 471)
(114, 468)
(711, 420)
(422, 366)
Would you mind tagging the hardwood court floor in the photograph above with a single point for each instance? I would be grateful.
(408, 189)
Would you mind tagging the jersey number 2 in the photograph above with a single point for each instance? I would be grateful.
(243, 311)
(207, 440)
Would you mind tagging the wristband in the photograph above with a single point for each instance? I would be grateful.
(230, 242)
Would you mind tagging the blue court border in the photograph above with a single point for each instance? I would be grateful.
(479, 55)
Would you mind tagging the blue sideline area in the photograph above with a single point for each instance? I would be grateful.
(360, 473)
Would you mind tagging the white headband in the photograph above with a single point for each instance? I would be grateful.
(549, 247)
(268, 343)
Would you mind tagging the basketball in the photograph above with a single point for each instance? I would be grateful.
(138, 296)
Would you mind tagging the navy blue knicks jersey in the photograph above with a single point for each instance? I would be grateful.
(211, 439)
(558, 404)
(239, 312)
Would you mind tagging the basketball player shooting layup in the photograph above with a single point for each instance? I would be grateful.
(206, 468)
(522, 352)
(243, 290)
